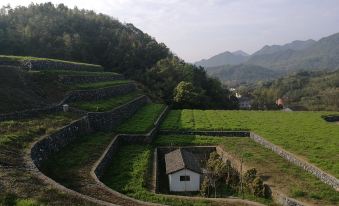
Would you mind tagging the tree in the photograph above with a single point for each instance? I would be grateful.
(185, 96)
(216, 169)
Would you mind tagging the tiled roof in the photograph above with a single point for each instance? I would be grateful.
(181, 159)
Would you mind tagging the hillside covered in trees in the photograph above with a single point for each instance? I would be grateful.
(56, 31)
(303, 90)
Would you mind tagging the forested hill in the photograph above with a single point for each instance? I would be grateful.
(55, 31)
(45, 30)
(304, 90)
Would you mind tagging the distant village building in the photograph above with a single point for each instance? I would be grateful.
(183, 170)
(245, 102)
(237, 95)
(279, 102)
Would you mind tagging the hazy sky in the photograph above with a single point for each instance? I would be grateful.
(195, 29)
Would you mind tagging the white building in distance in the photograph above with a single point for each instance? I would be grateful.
(183, 170)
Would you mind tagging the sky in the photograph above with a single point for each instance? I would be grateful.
(197, 29)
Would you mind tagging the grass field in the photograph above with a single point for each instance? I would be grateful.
(278, 172)
(105, 104)
(143, 120)
(98, 85)
(305, 134)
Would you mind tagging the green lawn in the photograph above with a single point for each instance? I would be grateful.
(105, 104)
(143, 120)
(277, 171)
(98, 85)
(305, 134)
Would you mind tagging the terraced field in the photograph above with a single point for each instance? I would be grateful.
(305, 134)
(130, 172)
(277, 172)
(18, 185)
(143, 120)
(105, 104)
(98, 85)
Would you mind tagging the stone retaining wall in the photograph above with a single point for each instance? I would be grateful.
(107, 121)
(207, 133)
(324, 177)
(97, 94)
(56, 141)
(94, 94)
(119, 139)
(81, 79)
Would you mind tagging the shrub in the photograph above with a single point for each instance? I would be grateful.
(258, 187)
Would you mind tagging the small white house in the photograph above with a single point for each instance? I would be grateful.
(183, 170)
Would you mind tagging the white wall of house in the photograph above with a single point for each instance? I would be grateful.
(182, 186)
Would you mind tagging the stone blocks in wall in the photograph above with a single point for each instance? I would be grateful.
(107, 121)
(78, 79)
(56, 141)
(208, 133)
(97, 94)
(324, 177)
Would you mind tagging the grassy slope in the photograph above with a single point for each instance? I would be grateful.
(278, 172)
(303, 133)
(21, 90)
(16, 184)
(143, 120)
(20, 58)
(105, 104)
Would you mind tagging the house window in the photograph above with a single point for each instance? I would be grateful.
(184, 178)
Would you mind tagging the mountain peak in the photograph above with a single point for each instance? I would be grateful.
(240, 52)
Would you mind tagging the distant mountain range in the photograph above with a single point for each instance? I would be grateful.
(276, 60)
(233, 75)
(225, 58)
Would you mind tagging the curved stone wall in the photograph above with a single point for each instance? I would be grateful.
(323, 176)
(58, 140)
(107, 121)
